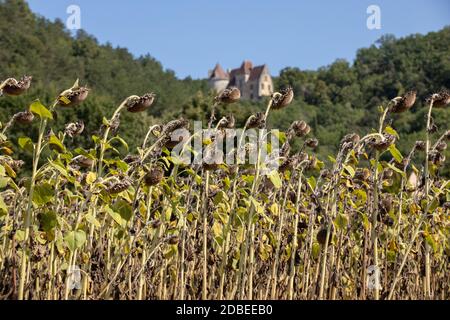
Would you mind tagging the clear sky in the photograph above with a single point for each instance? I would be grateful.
(189, 37)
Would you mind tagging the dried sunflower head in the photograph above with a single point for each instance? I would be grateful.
(436, 157)
(283, 98)
(74, 129)
(440, 99)
(175, 125)
(285, 149)
(227, 123)
(139, 104)
(14, 88)
(299, 128)
(383, 144)
(73, 96)
(24, 117)
(257, 120)
(420, 145)
(312, 143)
(352, 138)
(404, 102)
(119, 186)
(229, 95)
(289, 163)
(83, 161)
(441, 146)
(154, 176)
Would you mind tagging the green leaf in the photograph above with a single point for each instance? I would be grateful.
(350, 170)
(59, 167)
(25, 143)
(43, 194)
(3, 207)
(396, 170)
(122, 141)
(19, 235)
(116, 217)
(275, 179)
(333, 160)
(3, 182)
(56, 144)
(341, 221)
(391, 131)
(38, 108)
(48, 220)
(312, 182)
(123, 208)
(315, 250)
(431, 241)
(92, 220)
(395, 153)
(75, 239)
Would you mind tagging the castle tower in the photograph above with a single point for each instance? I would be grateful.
(218, 78)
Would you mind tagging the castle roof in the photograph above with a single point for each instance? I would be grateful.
(256, 72)
(218, 73)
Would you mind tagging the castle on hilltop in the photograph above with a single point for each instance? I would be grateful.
(253, 82)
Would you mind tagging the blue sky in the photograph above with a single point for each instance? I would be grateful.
(189, 37)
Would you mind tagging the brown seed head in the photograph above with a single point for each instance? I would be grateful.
(119, 186)
(299, 128)
(73, 97)
(154, 176)
(13, 87)
(229, 95)
(256, 121)
(228, 122)
(420, 145)
(24, 117)
(386, 142)
(83, 161)
(440, 99)
(312, 143)
(283, 98)
(139, 104)
(403, 103)
(175, 125)
(74, 129)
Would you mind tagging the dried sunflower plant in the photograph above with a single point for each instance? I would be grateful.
(221, 212)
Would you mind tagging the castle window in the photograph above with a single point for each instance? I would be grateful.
(251, 86)
(262, 86)
(251, 96)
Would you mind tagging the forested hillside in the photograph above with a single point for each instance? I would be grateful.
(335, 99)
(35, 46)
